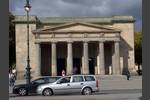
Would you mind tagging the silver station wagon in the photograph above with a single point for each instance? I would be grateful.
(84, 84)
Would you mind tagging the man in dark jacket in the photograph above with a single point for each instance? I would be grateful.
(128, 75)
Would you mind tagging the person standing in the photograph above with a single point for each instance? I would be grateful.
(75, 70)
(15, 73)
(63, 73)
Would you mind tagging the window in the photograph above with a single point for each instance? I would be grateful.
(65, 80)
(77, 79)
(52, 79)
(89, 78)
(38, 81)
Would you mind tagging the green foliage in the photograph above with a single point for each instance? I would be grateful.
(138, 47)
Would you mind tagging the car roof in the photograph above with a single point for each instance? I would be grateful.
(45, 77)
(80, 75)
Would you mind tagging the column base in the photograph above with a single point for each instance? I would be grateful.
(133, 72)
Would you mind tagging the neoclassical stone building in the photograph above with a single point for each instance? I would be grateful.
(92, 45)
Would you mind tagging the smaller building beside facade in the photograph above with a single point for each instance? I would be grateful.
(88, 45)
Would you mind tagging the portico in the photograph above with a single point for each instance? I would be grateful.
(81, 34)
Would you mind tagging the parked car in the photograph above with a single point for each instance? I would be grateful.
(84, 84)
(25, 89)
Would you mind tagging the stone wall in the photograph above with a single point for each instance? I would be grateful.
(21, 49)
(127, 44)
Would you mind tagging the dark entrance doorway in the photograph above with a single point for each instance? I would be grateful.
(45, 59)
(61, 65)
(76, 65)
(91, 66)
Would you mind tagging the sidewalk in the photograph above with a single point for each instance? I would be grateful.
(116, 77)
(101, 77)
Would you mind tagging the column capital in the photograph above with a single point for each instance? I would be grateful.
(85, 41)
(101, 35)
(70, 41)
(54, 42)
(117, 41)
(101, 41)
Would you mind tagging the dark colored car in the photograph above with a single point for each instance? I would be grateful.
(25, 89)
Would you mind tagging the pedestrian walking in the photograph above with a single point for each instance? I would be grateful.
(9, 78)
(12, 79)
(128, 75)
(14, 72)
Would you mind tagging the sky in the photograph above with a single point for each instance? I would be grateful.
(90, 8)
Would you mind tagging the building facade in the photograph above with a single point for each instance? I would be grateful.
(91, 45)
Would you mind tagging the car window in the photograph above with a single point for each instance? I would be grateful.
(77, 79)
(65, 80)
(38, 81)
(89, 78)
(53, 79)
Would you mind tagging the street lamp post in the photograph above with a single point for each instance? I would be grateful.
(28, 68)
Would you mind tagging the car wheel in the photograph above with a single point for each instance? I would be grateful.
(22, 91)
(47, 92)
(87, 91)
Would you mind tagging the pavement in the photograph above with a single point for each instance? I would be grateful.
(111, 88)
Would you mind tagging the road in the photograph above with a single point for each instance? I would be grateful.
(110, 89)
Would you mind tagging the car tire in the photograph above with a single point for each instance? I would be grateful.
(87, 91)
(47, 92)
(22, 91)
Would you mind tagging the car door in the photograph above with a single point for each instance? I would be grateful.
(77, 83)
(62, 86)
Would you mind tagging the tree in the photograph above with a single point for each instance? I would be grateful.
(12, 54)
(138, 48)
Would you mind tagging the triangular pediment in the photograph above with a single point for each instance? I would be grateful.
(79, 27)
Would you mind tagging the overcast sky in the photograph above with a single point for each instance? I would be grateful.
(81, 8)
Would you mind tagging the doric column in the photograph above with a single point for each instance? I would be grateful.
(116, 69)
(101, 67)
(38, 69)
(69, 58)
(85, 67)
(54, 59)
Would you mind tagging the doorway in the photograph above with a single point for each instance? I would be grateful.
(91, 66)
(77, 65)
(61, 65)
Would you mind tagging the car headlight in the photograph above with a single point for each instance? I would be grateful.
(39, 88)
